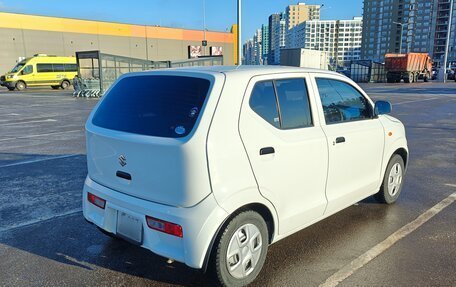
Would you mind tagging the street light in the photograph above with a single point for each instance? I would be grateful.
(239, 22)
(402, 33)
(447, 45)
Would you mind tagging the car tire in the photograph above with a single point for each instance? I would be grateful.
(245, 237)
(20, 86)
(65, 84)
(392, 181)
(11, 88)
(55, 87)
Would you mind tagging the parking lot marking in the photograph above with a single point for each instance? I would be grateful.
(415, 101)
(29, 122)
(451, 185)
(38, 160)
(40, 135)
(9, 228)
(378, 249)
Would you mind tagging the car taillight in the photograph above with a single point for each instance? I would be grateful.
(100, 202)
(164, 226)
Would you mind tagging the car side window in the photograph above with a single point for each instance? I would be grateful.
(294, 103)
(27, 70)
(263, 102)
(342, 102)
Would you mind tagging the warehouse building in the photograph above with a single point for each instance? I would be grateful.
(25, 35)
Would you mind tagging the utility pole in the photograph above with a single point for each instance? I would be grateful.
(447, 45)
(402, 33)
(239, 28)
(204, 26)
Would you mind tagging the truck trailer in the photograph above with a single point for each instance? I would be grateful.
(305, 58)
(408, 67)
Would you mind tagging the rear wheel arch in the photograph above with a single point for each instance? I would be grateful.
(259, 208)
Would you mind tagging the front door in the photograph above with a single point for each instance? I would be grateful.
(355, 143)
(286, 147)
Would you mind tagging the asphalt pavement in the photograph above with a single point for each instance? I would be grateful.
(44, 240)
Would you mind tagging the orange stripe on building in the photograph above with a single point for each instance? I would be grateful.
(54, 24)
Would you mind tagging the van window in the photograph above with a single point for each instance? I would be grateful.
(294, 103)
(44, 68)
(18, 67)
(58, 68)
(27, 70)
(342, 102)
(162, 106)
(263, 102)
(71, 67)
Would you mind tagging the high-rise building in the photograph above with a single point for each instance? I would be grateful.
(279, 40)
(265, 43)
(393, 26)
(296, 14)
(274, 28)
(340, 38)
(258, 47)
(248, 53)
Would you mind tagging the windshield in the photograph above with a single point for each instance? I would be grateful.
(163, 106)
(18, 67)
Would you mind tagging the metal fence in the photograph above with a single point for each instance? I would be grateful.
(365, 71)
(98, 71)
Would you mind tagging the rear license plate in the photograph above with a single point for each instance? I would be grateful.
(129, 227)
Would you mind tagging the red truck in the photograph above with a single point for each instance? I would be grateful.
(408, 67)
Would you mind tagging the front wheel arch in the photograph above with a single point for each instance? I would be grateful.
(404, 154)
(258, 208)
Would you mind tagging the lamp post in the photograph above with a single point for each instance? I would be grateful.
(402, 33)
(239, 27)
(447, 45)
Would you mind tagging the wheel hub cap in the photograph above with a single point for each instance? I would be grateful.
(395, 179)
(244, 251)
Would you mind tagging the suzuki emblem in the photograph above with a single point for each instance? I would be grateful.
(122, 160)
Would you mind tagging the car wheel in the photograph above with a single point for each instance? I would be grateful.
(20, 86)
(11, 88)
(55, 87)
(392, 182)
(241, 250)
(65, 84)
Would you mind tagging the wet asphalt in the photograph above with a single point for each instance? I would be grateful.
(44, 240)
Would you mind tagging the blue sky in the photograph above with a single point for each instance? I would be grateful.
(220, 14)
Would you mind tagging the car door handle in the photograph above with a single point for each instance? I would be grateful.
(267, 150)
(340, 140)
(123, 175)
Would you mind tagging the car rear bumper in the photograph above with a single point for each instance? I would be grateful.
(199, 223)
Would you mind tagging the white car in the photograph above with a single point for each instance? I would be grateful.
(209, 166)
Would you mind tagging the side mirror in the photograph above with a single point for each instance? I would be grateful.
(382, 108)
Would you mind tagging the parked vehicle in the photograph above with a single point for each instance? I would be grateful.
(210, 166)
(408, 67)
(41, 70)
(305, 58)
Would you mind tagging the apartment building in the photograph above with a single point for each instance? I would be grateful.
(394, 26)
(296, 14)
(265, 43)
(340, 38)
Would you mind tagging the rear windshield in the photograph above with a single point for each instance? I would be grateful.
(162, 106)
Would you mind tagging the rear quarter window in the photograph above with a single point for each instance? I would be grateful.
(162, 106)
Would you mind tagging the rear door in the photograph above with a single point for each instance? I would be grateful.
(286, 147)
(355, 142)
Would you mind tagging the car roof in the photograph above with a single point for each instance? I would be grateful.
(251, 70)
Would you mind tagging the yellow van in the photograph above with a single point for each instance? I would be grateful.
(41, 70)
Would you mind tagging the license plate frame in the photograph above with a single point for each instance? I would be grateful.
(129, 227)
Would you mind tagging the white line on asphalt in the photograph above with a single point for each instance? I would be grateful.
(378, 249)
(451, 185)
(40, 135)
(38, 160)
(415, 101)
(29, 122)
(30, 222)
